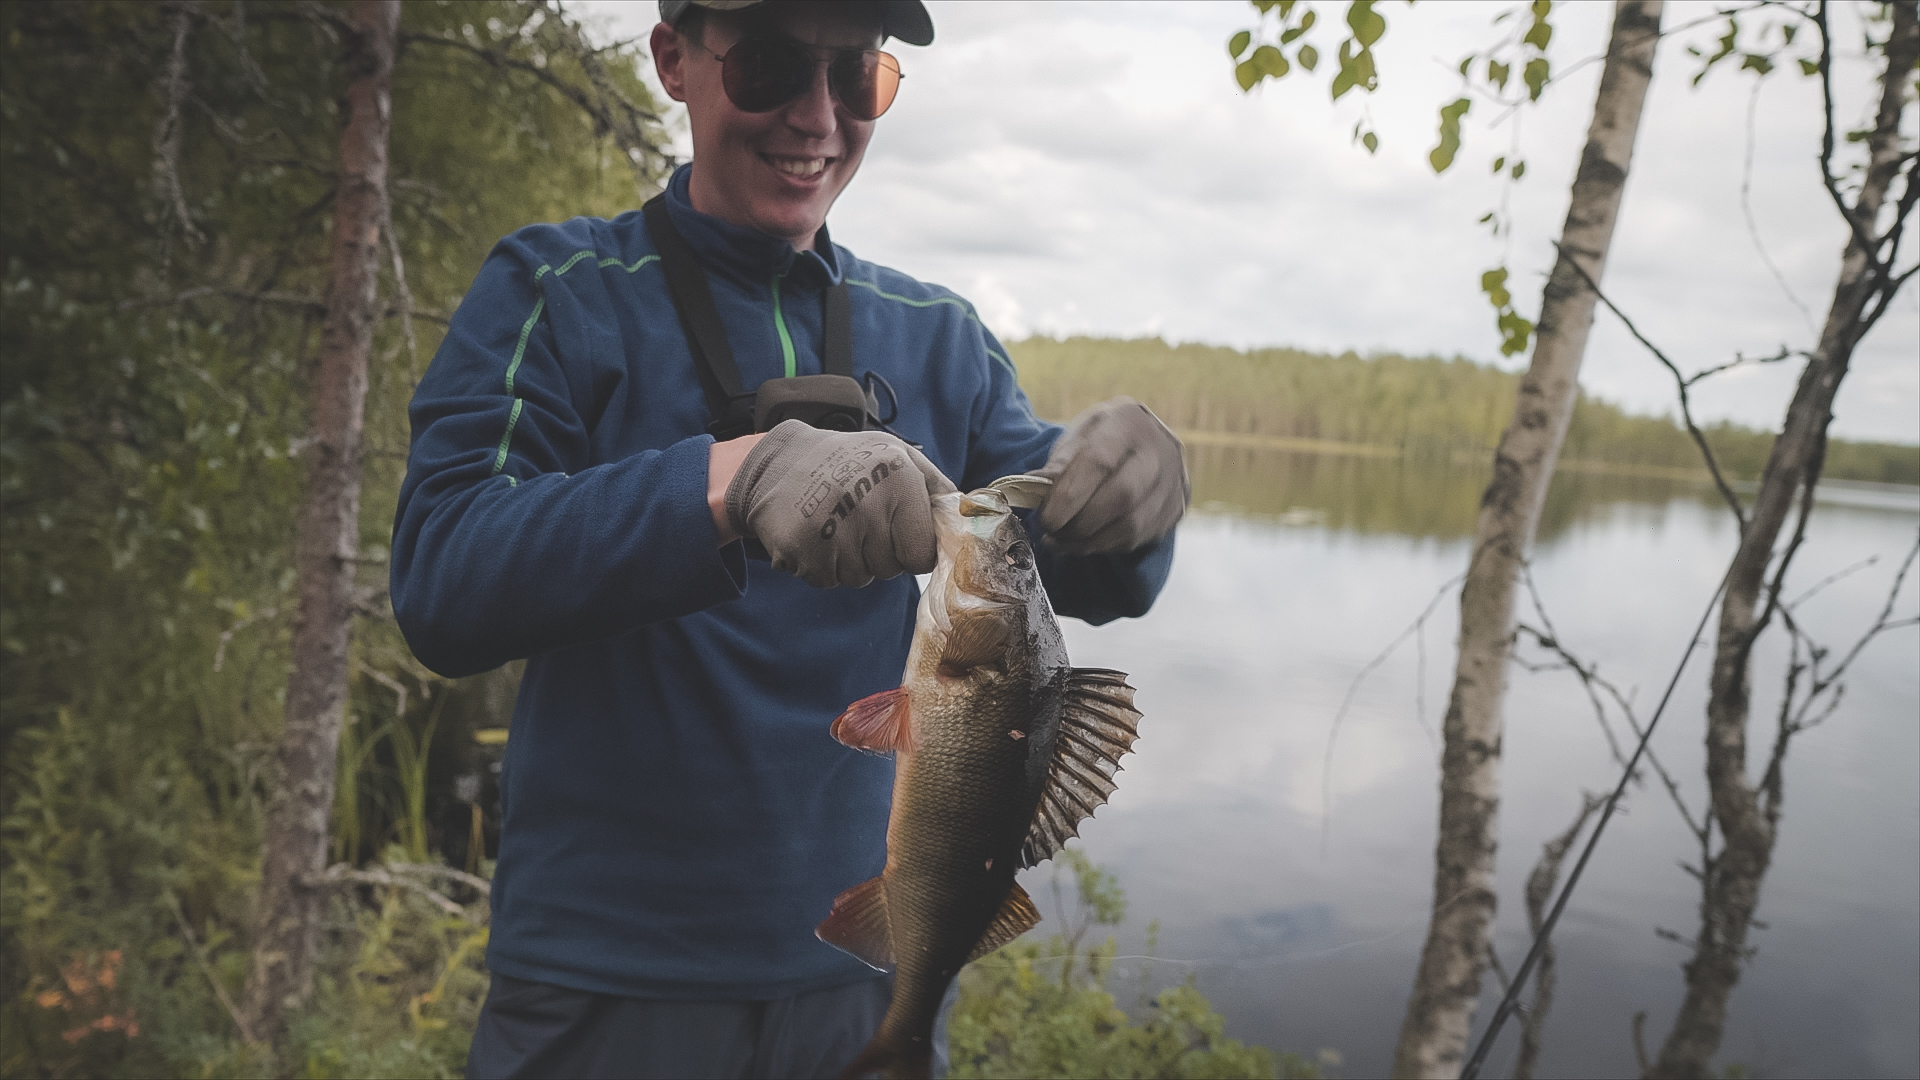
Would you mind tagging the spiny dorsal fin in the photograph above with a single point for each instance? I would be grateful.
(1016, 917)
(1098, 723)
(858, 924)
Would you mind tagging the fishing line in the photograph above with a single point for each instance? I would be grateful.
(1511, 999)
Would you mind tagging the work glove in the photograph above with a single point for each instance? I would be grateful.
(1119, 482)
(837, 507)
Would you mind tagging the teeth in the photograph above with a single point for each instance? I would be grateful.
(802, 167)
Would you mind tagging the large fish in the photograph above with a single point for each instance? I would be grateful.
(1001, 750)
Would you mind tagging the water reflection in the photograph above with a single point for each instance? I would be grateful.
(1438, 498)
(1305, 927)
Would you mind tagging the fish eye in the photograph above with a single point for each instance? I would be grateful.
(1019, 555)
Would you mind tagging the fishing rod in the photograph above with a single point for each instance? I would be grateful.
(1510, 1001)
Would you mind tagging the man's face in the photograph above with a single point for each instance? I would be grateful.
(780, 171)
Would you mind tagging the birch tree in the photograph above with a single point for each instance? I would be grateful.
(327, 549)
(1748, 811)
(1433, 1037)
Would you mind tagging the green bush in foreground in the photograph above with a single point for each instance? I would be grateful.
(1042, 1009)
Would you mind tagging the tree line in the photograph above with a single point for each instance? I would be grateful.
(1421, 407)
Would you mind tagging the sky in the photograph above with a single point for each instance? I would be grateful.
(1092, 168)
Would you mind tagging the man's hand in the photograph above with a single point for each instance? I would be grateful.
(1118, 481)
(837, 507)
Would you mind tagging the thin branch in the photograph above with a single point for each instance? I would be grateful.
(1753, 227)
(1686, 408)
(342, 874)
(1353, 688)
(206, 968)
(166, 135)
(1860, 235)
(226, 636)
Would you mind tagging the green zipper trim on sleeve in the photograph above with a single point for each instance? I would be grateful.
(780, 324)
(526, 331)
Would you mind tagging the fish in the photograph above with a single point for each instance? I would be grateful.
(1001, 749)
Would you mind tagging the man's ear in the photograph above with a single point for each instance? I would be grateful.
(669, 60)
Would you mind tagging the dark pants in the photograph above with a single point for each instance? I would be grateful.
(530, 1029)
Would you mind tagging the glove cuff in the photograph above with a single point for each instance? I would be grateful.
(761, 461)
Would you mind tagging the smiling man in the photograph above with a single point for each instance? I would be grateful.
(681, 462)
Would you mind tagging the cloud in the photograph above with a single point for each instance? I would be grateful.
(1091, 168)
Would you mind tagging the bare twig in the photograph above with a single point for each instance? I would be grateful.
(1746, 211)
(166, 135)
(226, 636)
(1353, 688)
(1686, 409)
(1540, 885)
(206, 968)
(342, 874)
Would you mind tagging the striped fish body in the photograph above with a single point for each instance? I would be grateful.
(1001, 748)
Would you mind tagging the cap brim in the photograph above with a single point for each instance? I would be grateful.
(909, 21)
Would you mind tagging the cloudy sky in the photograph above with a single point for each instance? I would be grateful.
(1091, 168)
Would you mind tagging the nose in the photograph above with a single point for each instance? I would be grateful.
(812, 114)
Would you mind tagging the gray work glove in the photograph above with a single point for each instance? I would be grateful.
(1119, 482)
(837, 507)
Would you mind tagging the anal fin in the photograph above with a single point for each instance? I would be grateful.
(878, 723)
(858, 924)
(1016, 917)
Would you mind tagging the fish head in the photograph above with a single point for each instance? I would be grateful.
(985, 547)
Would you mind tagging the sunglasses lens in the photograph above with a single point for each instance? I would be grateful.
(865, 82)
(761, 74)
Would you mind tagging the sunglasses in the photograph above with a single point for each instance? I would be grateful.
(765, 71)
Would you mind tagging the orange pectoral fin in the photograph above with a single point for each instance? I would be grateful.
(879, 723)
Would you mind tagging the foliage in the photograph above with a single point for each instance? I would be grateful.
(1421, 407)
(166, 173)
(1015, 1018)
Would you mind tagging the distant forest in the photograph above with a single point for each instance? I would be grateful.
(1420, 407)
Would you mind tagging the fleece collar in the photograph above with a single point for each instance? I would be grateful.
(751, 254)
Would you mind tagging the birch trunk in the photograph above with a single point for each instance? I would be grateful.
(1433, 1037)
(1748, 815)
(286, 934)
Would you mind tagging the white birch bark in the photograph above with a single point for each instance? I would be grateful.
(1433, 1037)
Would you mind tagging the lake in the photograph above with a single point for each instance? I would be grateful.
(1296, 892)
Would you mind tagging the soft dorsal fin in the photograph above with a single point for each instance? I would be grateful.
(1016, 917)
(878, 723)
(858, 924)
(1098, 723)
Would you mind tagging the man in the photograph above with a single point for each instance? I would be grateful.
(696, 611)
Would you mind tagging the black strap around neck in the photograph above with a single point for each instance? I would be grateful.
(729, 404)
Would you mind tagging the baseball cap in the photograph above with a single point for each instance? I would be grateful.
(904, 19)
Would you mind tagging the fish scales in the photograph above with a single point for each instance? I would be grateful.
(985, 784)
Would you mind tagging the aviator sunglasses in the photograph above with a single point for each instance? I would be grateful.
(764, 71)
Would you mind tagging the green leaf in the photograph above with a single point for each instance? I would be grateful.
(1515, 330)
(1756, 62)
(1494, 284)
(1809, 68)
(1367, 23)
(1498, 73)
(1466, 64)
(1541, 32)
(1787, 30)
(1519, 170)
(1484, 218)
(1535, 74)
(1286, 8)
(1342, 82)
(1370, 141)
(1307, 20)
(1246, 74)
(1308, 56)
(1268, 5)
(1499, 163)
(1270, 61)
(1287, 38)
(1441, 157)
(1239, 43)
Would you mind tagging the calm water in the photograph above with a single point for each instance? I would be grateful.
(1298, 895)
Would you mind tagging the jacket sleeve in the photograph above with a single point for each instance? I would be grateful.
(1008, 438)
(508, 540)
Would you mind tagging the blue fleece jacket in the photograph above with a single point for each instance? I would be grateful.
(676, 818)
